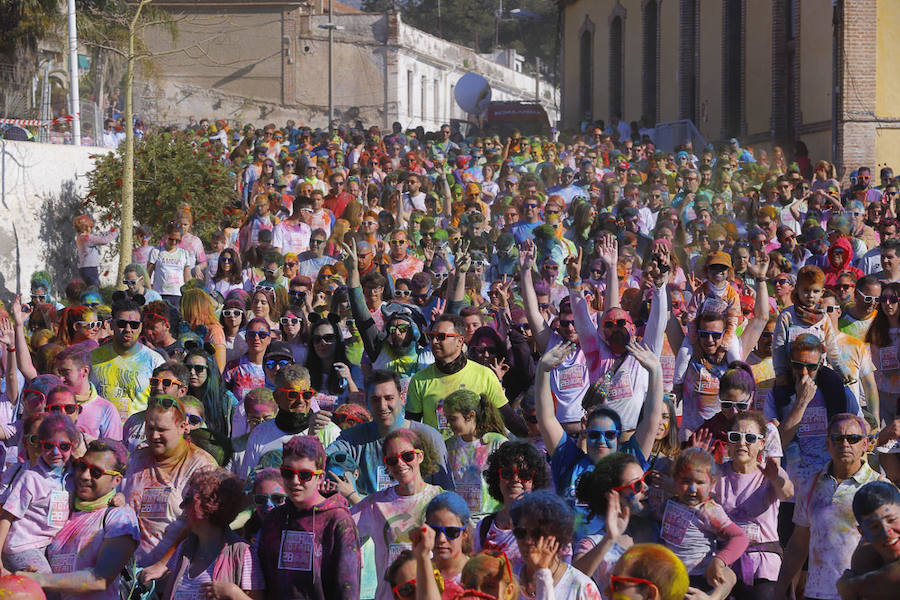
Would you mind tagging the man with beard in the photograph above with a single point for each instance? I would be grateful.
(874, 571)
(121, 370)
(451, 369)
(398, 347)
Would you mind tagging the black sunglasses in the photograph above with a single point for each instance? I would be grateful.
(450, 532)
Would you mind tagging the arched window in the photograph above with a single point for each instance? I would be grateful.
(651, 63)
(733, 69)
(586, 64)
(616, 66)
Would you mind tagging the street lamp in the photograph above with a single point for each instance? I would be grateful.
(331, 27)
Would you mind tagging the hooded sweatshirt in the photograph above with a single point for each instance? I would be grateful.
(311, 553)
(831, 273)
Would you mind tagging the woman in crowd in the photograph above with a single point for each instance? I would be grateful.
(206, 384)
(293, 332)
(331, 372)
(883, 338)
(198, 310)
(233, 317)
(228, 275)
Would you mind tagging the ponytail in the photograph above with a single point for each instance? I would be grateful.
(487, 417)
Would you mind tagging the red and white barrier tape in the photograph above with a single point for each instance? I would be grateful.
(38, 122)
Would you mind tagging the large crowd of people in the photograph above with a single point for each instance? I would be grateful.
(422, 366)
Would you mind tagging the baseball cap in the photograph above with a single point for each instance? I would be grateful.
(814, 234)
(279, 349)
(718, 258)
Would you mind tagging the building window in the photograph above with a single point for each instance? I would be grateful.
(409, 93)
(437, 100)
(733, 68)
(616, 67)
(688, 60)
(651, 62)
(424, 98)
(586, 83)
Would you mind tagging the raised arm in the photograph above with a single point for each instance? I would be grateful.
(540, 329)
(23, 355)
(760, 319)
(609, 254)
(114, 554)
(648, 426)
(551, 431)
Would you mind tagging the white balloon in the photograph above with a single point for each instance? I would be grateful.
(473, 93)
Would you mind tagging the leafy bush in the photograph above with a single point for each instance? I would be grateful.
(170, 170)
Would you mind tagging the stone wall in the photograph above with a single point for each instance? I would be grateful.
(41, 189)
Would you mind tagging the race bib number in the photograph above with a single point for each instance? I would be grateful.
(707, 385)
(296, 552)
(155, 502)
(668, 368)
(796, 331)
(62, 563)
(889, 360)
(396, 548)
(754, 534)
(715, 305)
(441, 419)
(676, 521)
(620, 391)
(815, 421)
(59, 509)
(188, 589)
(383, 479)
(471, 493)
(571, 378)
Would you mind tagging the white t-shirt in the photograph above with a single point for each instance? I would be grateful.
(291, 238)
(168, 270)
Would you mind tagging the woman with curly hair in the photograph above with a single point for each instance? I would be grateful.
(198, 310)
(214, 561)
(513, 470)
(389, 516)
(544, 525)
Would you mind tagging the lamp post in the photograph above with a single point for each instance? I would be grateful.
(73, 75)
(331, 27)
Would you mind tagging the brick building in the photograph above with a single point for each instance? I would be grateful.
(769, 72)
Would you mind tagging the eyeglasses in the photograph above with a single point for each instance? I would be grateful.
(328, 338)
(398, 328)
(96, 472)
(520, 533)
(782, 281)
(507, 473)
(341, 418)
(616, 323)
(637, 486)
(232, 312)
(450, 532)
(851, 438)
(405, 590)
(523, 327)
(174, 240)
(69, 409)
(616, 581)
(129, 282)
(123, 323)
(166, 403)
(301, 474)
(291, 265)
(407, 456)
(740, 406)
(272, 363)
(194, 420)
(402, 293)
(440, 336)
(89, 325)
(372, 223)
(867, 299)
(846, 286)
(715, 335)
(736, 437)
(264, 286)
(397, 242)
(289, 321)
(48, 446)
(32, 438)
(811, 367)
(296, 394)
(257, 420)
(566, 323)
(595, 436)
(889, 299)
(264, 499)
(164, 382)
(315, 242)
(197, 368)
(252, 333)
(226, 259)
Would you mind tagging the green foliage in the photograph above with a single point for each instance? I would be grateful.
(170, 170)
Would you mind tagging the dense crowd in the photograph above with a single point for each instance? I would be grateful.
(423, 366)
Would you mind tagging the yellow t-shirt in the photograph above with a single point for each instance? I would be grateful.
(429, 387)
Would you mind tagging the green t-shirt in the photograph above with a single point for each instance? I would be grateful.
(429, 387)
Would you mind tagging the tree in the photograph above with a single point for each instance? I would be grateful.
(169, 170)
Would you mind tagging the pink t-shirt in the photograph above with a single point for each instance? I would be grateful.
(39, 500)
(156, 498)
(750, 501)
(77, 546)
(192, 244)
(99, 418)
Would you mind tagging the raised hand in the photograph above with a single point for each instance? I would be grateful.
(7, 332)
(544, 553)
(554, 357)
(526, 256)
(703, 439)
(351, 256)
(617, 515)
(643, 354)
(423, 540)
(573, 266)
(609, 250)
(770, 469)
(500, 368)
(438, 309)
(18, 311)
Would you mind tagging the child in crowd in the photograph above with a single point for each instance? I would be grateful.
(717, 294)
(87, 242)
